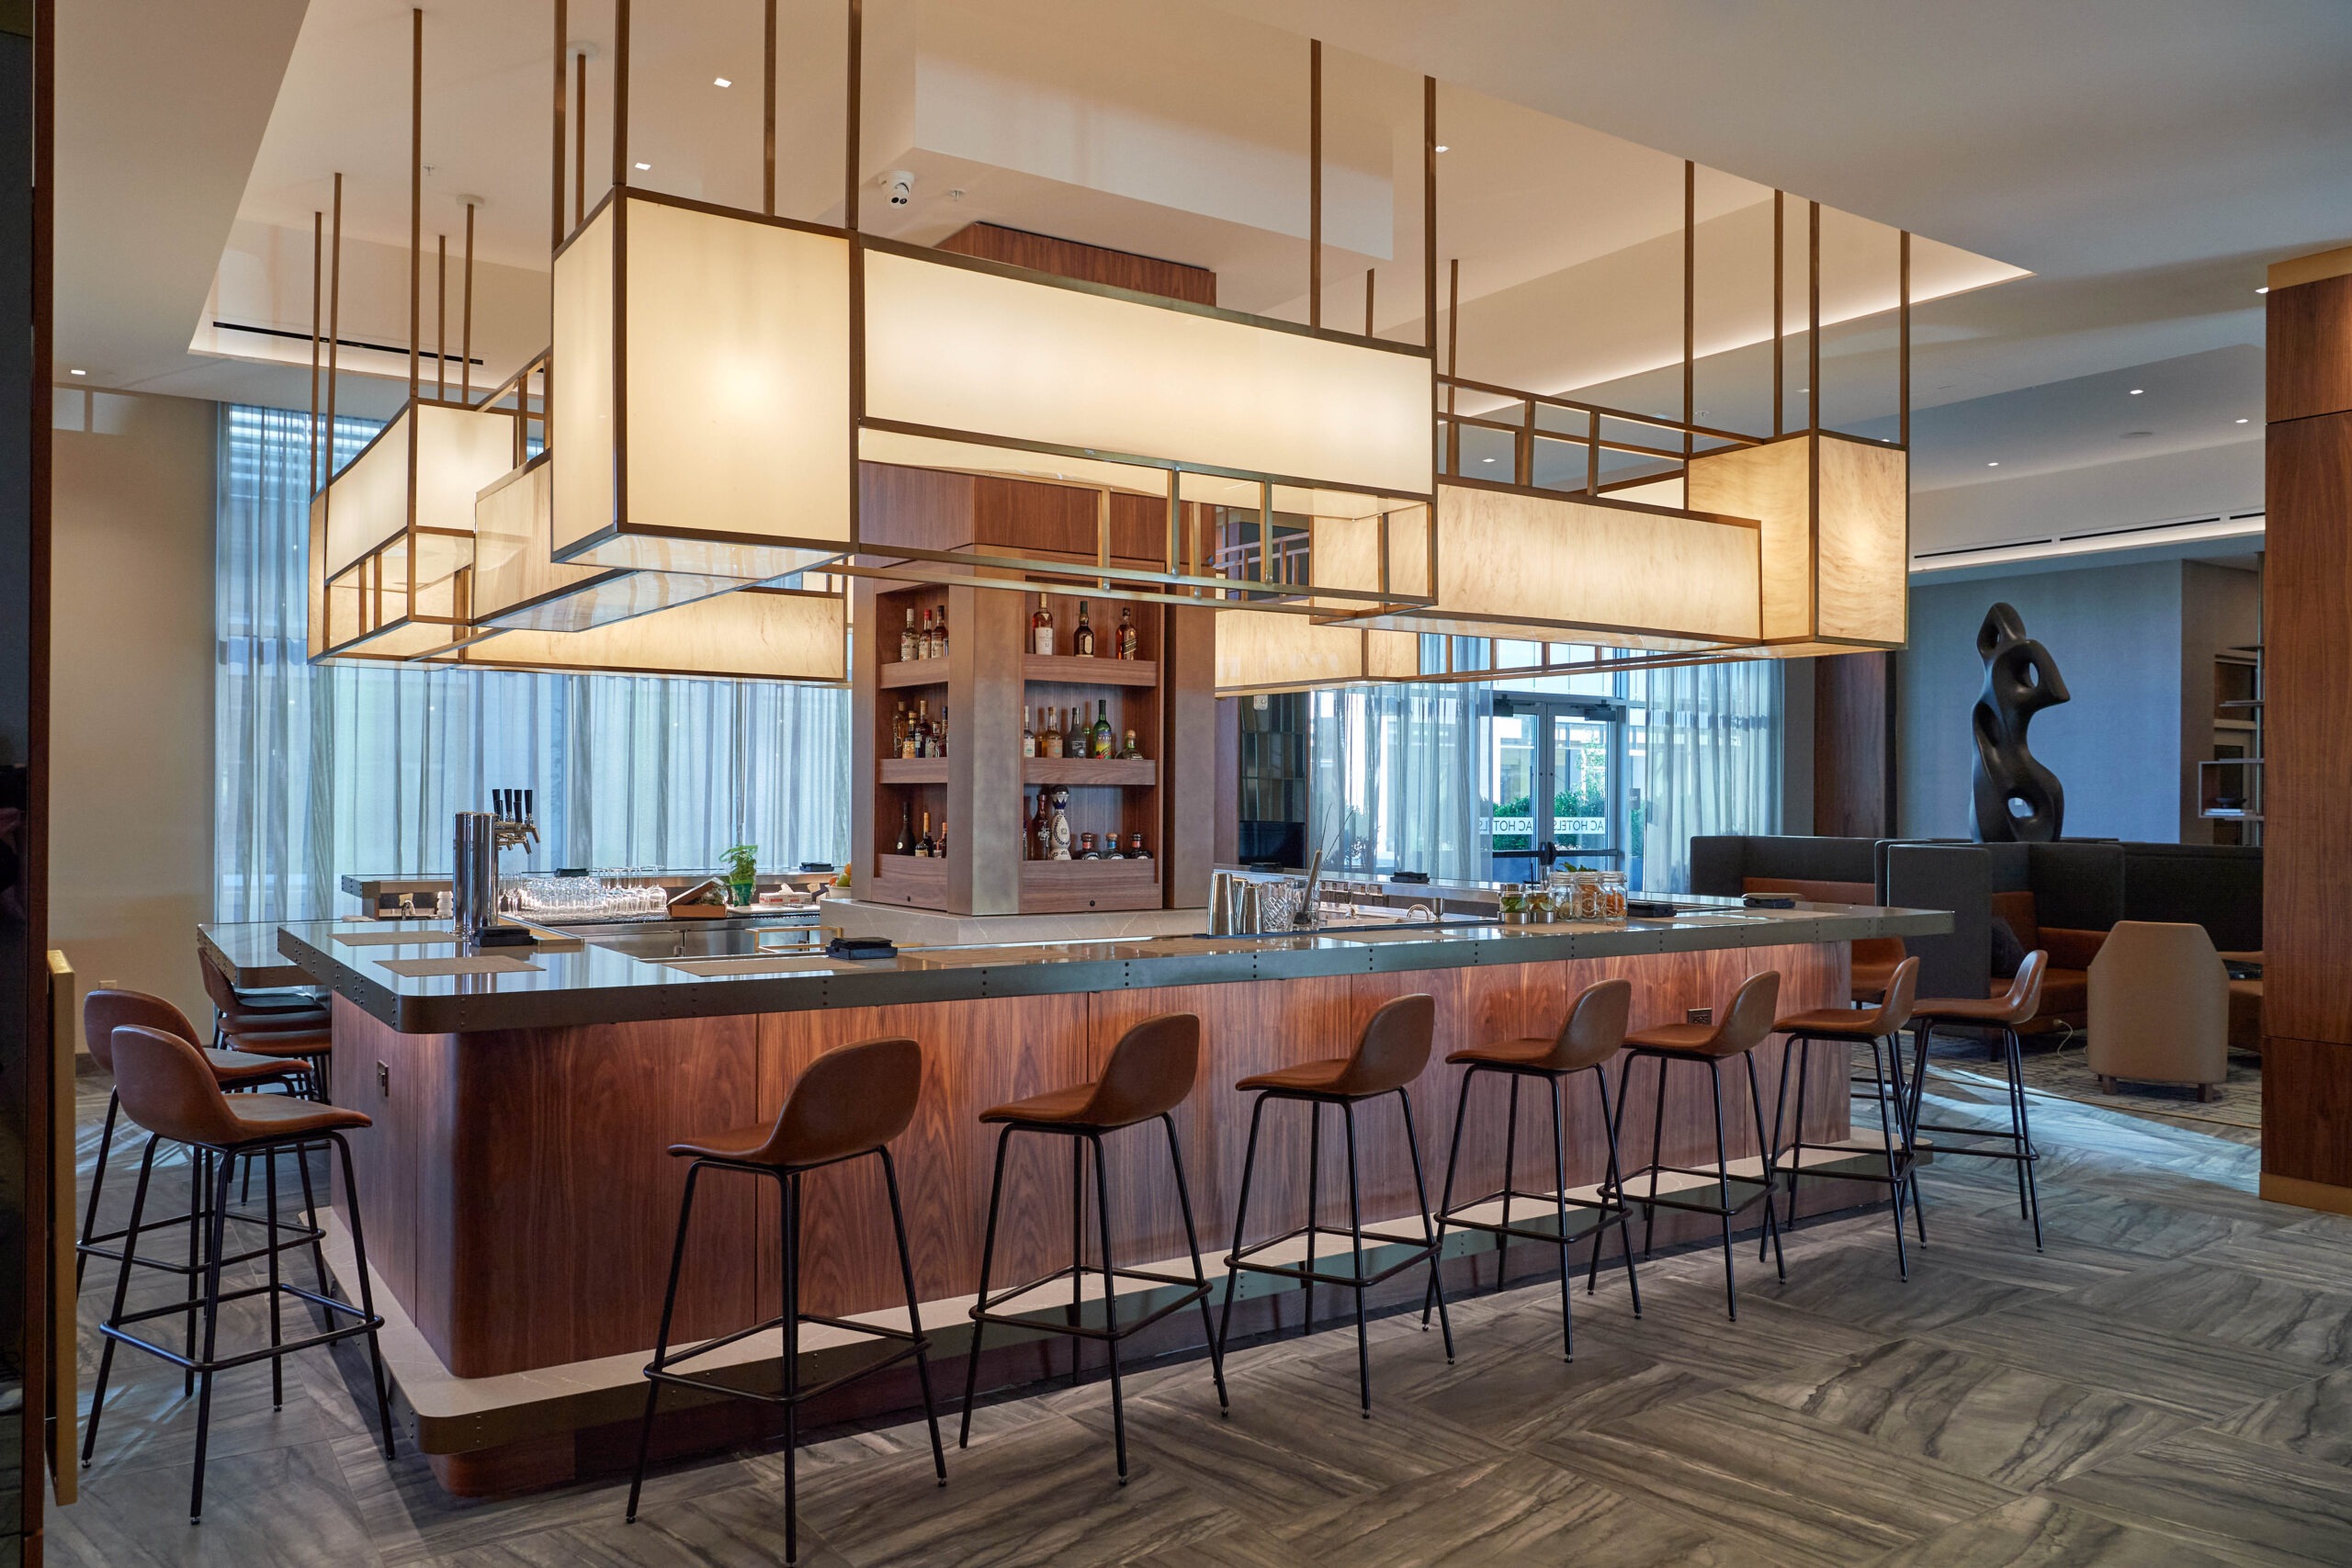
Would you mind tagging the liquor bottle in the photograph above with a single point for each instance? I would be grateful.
(911, 741)
(1043, 835)
(1041, 629)
(1103, 742)
(1111, 847)
(1081, 641)
(1127, 633)
(923, 647)
(939, 845)
(906, 844)
(939, 644)
(898, 729)
(922, 727)
(939, 736)
(1129, 749)
(1051, 744)
(1028, 736)
(923, 845)
(1061, 830)
(909, 646)
(1086, 850)
(1135, 850)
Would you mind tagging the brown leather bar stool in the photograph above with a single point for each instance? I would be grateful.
(2002, 1014)
(1151, 1070)
(104, 1010)
(1391, 1052)
(1738, 1029)
(1846, 1028)
(298, 1035)
(1592, 1033)
(168, 1087)
(850, 1103)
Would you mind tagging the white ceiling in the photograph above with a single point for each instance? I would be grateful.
(2143, 158)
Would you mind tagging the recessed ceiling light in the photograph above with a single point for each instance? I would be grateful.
(2137, 390)
(720, 82)
(85, 373)
(1444, 148)
(1992, 465)
(2263, 290)
(645, 165)
(77, 373)
(1485, 460)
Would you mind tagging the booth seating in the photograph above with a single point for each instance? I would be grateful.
(1820, 869)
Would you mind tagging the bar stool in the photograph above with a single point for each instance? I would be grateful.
(1740, 1027)
(1593, 1031)
(850, 1103)
(168, 1087)
(2003, 1014)
(104, 1010)
(1150, 1071)
(1391, 1052)
(1846, 1028)
(299, 1035)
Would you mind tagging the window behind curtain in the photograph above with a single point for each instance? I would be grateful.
(323, 773)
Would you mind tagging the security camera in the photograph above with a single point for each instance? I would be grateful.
(902, 186)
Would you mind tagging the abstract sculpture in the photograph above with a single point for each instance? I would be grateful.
(2017, 799)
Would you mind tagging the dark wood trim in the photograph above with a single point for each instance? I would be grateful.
(1091, 263)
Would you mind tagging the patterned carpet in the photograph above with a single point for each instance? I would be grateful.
(2058, 1064)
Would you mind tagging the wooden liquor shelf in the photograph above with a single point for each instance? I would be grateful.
(902, 672)
(913, 770)
(1129, 772)
(1067, 670)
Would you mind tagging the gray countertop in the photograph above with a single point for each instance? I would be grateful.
(603, 982)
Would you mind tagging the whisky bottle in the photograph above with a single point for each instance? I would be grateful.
(1081, 641)
(1129, 749)
(1051, 745)
(923, 845)
(1103, 743)
(1041, 630)
(1044, 833)
(925, 646)
(909, 646)
(939, 845)
(939, 636)
(1028, 736)
(923, 728)
(1127, 633)
(906, 844)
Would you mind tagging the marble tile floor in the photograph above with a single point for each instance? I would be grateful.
(2170, 1385)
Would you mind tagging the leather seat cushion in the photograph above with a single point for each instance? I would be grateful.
(1685, 1039)
(1311, 1077)
(1829, 1023)
(239, 1068)
(260, 1116)
(1054, 1105)
(733, 1143)
(1532, 1053)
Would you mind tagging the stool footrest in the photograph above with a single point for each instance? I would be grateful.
(1545, 1205)
(986, 1309)
(1754, 1190)
(118, 1329)
(904, 1346)
(1421, 1249)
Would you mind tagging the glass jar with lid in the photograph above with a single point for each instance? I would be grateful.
(1612, 896)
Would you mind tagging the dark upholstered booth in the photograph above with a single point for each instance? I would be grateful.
(1823, 870)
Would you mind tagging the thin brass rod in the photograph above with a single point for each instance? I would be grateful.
(856, 113)
(1902, 340)
(1367, 301)
(1452, 329)
(767, 117)
(1428, 211)
(1592, 453)
(441, 322)
(466, 330)
(1690, 306)
(1813, 323)
(318, 242)
(1779, 293)
(1315, 183)
(620, 93)
(335, 325)
(416, 187)
(554, 164)
(579, 139)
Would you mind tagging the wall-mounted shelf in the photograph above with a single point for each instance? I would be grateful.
(914, 672)
(913, 770)
(1131, 773)
(1063, 669)
(1070, 887)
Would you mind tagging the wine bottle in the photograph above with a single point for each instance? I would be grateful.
(1041, 629)
(909, 646)
(1101, 737)
(925, 644)
(939, 637)
(1130, 750)
(1081, 641)
(1127, 633)
(923, 845)
(1028, 736)
(906, 844)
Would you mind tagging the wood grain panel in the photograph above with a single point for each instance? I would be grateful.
(1201, 758)
(1853, 757)
(384, 1156)
(2307, 1110)
(2307, 894)
(2308, 368)
(924, 509)
(1094, 264)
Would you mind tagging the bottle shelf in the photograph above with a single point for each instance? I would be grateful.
(1133, 772)
(1064, 670)
(913, 770)
(903, 672)
(1072, 887)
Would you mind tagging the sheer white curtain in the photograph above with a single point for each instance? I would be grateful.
(1396, 779)
(1712, 740)
(325, 771)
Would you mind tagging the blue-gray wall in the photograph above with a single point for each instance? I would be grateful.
(2115, 632)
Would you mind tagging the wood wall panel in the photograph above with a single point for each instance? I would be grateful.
(1093, 263)
(2308, 368)
(1853, 745)
(2307, 1110)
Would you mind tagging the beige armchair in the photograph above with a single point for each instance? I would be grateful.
(2159, 1007)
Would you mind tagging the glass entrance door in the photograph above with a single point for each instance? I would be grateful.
(1555, 767)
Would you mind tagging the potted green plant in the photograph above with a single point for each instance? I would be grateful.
(742, 872)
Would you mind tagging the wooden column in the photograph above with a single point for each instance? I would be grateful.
(1853, 745)
(2307, 886)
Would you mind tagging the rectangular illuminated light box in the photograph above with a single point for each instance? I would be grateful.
(750, 634)
(391, 534)
(1260, 651)
(517, 584)
(976, 365)
(1836, 533)
(700, 416)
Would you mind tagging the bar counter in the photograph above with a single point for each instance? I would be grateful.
(520, 1206)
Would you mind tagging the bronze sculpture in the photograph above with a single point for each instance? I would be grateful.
(2017, 799)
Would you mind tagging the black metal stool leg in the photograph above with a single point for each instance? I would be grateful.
(1313, 1208)
(270, 1243)
(915, 1315)
(1617, 1182)
(2025, 1136)
(97, 1180)
(988, 1258)
(1770, 1160)
(1658, 1153)
(1355, 1238)
(1109, 1304)
(199, 1197)
(1800, 1049)
(1421, 1196)
(1077, 1258)
(1511, 1172)
(1193, 1244)
(1241, 1218)
(790, 1182)
(662, 1339)
(1723, 1185)
(1896, 1172)
(1452, 1163)
(367, 1295)
(121, 1291)
(1560, 1177)
(216, 1232)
